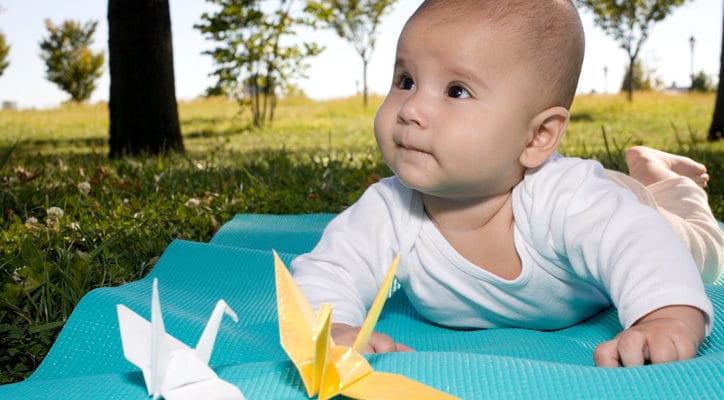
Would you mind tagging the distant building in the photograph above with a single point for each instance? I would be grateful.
(10, 105)
(674, 89)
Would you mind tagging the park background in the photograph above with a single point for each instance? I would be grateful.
(73, 219)
(336, 72)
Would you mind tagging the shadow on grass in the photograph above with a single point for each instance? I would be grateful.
(581, 117)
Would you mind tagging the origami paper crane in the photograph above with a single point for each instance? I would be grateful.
(172, 369)
(328, 369)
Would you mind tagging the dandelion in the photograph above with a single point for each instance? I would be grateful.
(84, 187)
(32, 224)
(53, 220)
(55, 212)
(75, 226)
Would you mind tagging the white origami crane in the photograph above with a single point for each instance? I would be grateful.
(172, 369)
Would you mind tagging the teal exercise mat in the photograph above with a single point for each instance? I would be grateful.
(294, 234)
(87, 359)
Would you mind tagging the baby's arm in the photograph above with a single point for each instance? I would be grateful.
(670, 333)
(344, 334)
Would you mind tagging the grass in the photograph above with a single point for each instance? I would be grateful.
(72, 220)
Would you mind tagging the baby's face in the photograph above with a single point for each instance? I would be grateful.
(456, 118)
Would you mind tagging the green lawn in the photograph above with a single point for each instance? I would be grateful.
(73, 220)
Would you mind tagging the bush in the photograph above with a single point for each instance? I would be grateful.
(702, 83)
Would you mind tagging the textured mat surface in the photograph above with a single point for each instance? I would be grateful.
(87, 359)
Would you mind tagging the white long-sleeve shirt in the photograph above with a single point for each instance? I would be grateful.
(584, 242)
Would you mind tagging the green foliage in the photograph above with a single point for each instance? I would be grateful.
(642, 80)
(629, 22)
(73, 220)
(355, 21)
(701, 82)
(69, 62)
(253, 63)
(4, 51)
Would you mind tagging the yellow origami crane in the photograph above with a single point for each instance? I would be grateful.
(328, 369)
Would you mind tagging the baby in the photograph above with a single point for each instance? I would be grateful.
(493, 226)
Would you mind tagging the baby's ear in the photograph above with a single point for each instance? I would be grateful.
(547, 129)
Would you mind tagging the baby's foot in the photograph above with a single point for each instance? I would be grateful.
(649, 166)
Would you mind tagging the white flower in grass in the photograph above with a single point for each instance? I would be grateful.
(75, 226)
(55, 212)
(84, 187)
(193, 202)
(53, 220)
(32, 223)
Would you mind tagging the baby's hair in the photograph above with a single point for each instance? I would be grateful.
(552, 33)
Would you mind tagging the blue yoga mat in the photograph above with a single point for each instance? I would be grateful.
(87, 359)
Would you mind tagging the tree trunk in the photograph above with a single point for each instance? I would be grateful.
(365, 93)
(143, 109)
(716, 130)
(630, 88)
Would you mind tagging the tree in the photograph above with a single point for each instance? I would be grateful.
(143, 108)
(643, 80)
(69, 63)
(253, 65)
(716, 130)
(628, 22)
(4, 51)
(701, 83)
(355, 21)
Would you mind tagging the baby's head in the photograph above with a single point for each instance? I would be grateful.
(545, 40)
(480, 93)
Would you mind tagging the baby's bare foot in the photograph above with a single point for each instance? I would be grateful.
(649, 166)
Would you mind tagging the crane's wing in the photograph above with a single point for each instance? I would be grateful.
(348, 364)
(374, 313)
(386, 386)
(211, 389)
(190, 378)
(296, 324)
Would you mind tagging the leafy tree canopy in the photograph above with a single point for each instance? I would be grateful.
(4, 51)
(69, 62)
(629, 22)
(256, 59)
(355, 21)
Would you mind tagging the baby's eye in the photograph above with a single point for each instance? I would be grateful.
(458, 92)
(405, 83)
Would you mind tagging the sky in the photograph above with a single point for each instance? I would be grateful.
(337, 71)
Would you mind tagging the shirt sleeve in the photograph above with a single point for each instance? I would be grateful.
(348, 264)
(609, 237)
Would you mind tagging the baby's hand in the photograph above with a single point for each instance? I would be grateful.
(345, 335)
(668, 334)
